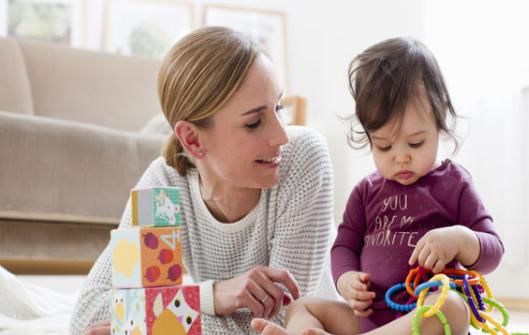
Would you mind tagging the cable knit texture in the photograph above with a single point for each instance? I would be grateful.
(288, 229)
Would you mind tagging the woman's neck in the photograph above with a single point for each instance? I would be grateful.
(227, 203)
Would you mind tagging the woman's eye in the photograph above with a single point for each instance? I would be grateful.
(387, 148)
(416, 145)
(279, 107)
(253, 125)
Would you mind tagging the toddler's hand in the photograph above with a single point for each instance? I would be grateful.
(435, 249)
(353, 286)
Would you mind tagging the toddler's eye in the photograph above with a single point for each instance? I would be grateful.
(416, 145)
(279, 107)
(253, 125)
(384, 149)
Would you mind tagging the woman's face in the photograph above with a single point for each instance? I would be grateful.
(243, 146)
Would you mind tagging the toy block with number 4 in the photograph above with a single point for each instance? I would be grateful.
(155, 206)
(146, 257)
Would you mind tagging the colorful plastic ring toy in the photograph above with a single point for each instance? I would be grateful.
(495, 323)
(475, 276)
(415, 327)
(499, 306)
(477, 296)
(393, 305)
(412, 275)
(444, 293)
(470, 301)
(431, 284)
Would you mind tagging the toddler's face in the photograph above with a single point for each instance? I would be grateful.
(405, 150)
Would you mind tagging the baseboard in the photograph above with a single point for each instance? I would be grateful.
(47, 266)
(57, 218)
(518, 304)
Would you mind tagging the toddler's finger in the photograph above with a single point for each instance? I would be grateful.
(363, 314)
(360, 305)
(439, 266)
(430, 261)
(364, 278)
(358, 285)
(415, 254)
(362, 295)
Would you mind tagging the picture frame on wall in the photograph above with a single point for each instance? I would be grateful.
(58, 21)
(266, 27)
(146, 28)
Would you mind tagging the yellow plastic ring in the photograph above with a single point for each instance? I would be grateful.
(442, 298)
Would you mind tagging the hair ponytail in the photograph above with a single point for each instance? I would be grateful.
(175, 156)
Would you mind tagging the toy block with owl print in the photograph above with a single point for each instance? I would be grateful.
(155, 206)
(146, 257)
(156, 311)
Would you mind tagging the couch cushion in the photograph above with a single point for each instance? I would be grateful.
(91, 87)
(15, 92)
(64, 170)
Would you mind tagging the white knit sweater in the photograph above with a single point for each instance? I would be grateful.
(288, 229)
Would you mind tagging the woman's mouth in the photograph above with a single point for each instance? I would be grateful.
(270, 162)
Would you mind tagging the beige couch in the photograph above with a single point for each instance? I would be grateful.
(72, 143)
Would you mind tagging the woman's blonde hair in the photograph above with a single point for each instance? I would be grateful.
(197, 77)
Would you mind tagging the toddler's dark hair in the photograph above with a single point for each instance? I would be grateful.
(388, 75)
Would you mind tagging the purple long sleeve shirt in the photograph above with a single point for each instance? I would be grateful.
(384, 220)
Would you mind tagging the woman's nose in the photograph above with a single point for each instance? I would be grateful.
(278, 134)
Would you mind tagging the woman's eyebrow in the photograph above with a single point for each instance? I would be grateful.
(254, 110)
(259, 108)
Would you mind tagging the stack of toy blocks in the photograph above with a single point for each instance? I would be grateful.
(147, 270)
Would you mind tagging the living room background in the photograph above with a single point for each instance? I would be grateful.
(482, 50)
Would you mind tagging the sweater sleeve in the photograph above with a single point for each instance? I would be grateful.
(472, 214)
(346, 250)
(94, 299)
(300, 242)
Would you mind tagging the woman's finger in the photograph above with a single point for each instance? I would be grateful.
(274, 292)
(261, 296)
(98, 328)
(255, 306)
(283, 277)
(101, 323)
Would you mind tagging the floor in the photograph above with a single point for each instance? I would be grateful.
(519, 319)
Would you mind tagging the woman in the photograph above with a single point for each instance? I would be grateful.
(256, 196)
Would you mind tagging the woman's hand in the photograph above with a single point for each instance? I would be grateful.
(353, 287)
(257, 290)
(98, 328)
(440, 246)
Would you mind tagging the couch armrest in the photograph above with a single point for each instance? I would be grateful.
(59, 168)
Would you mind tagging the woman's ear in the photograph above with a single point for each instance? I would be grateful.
(188, 135)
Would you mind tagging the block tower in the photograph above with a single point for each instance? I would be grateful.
(148, 297)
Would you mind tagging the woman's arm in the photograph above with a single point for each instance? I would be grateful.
(300, 241)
